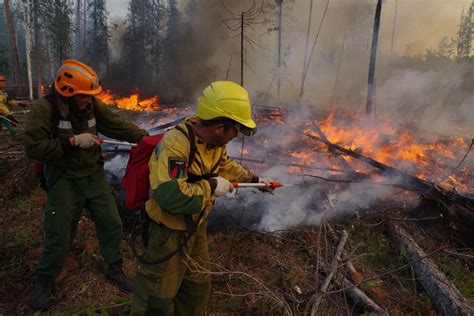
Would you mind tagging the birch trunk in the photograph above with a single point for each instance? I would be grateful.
(28, 48)
(13, 44)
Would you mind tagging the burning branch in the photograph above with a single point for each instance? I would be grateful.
(409, 182)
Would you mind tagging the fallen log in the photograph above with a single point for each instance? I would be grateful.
(445, 296)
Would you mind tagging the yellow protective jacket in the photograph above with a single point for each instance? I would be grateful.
(4, 101)
(174, 189)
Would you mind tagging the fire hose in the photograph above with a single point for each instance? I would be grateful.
(272, 185)
(115, 142)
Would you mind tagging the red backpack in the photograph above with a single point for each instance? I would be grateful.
(136, 180)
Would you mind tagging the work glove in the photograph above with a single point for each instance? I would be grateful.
(85, 140)
(223, 186)
(266, 189)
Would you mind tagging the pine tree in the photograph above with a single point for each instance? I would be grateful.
(171, 62)
(57, 21)
(13, 42)
(97, 36)
(134, 45)
(4, 47)
(465, 35)
(155, 38)
(142, 42)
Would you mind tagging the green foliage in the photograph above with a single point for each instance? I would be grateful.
(97, 35)
(464, 43)
(457, 270)
(56, 17)
(142, 42)
(370, 245)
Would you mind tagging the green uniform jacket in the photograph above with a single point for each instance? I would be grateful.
(4, 101)
(173, 196)
(53, 148)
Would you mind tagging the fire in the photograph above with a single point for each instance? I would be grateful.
(431, 158)
(427, 158)
(132, 102)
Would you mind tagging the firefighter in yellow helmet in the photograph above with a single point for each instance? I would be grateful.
(188, 170)
(61, 131)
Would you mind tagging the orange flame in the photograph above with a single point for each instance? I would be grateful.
(132, 102)
(399, 148)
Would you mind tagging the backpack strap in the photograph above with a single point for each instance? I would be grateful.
(53, 124)
(191, 227)
(192, 142)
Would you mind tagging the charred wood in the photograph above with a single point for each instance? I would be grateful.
(448, 199)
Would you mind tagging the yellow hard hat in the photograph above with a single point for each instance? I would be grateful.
(226, 99)
(74, 77)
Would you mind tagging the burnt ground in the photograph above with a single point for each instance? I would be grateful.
(252, 272)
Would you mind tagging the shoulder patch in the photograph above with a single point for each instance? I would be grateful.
(177, 167)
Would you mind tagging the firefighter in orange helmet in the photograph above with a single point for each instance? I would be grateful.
(61, 131)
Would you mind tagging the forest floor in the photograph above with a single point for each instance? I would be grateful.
(253, 273)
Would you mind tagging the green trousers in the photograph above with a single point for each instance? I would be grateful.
(66, 200)
(171, 287)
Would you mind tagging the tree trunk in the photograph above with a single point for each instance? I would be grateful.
(28, 48)
(78, 46)
(279, 2)
(394, 27)
(445, 297)
(37, 49)
(13, 46)
(369, 111)
(305, 59)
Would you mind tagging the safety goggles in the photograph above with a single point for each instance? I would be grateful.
(247, 131)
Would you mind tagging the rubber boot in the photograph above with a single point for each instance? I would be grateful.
(116, 276)
(42, 291)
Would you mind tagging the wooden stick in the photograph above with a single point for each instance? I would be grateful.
(357, 296)
(355, 275)
(332, 270)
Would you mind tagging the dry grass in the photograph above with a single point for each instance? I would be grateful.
(253, 272)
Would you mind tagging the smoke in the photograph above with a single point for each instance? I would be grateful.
(435, 100)
(429, 93)
(409, 86)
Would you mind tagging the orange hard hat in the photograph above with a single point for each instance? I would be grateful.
(2, 78)
(74, 77)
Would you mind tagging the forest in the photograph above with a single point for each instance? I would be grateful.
(364, 112)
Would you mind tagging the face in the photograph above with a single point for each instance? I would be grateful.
(81, 100)
(2, 84)
(223, 135)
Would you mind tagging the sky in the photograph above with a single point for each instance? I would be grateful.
(421, 23)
